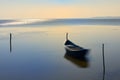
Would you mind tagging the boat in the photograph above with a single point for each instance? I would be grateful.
(74, 50)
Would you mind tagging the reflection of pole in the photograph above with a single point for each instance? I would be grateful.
(10, 42)
(103, 61)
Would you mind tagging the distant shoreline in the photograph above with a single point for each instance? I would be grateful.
(46, 22)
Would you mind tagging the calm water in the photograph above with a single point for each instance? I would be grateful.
(38, 53)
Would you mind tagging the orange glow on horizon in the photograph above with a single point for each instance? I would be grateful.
(59, 11)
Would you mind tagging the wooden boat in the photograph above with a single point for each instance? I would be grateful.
(73, 49)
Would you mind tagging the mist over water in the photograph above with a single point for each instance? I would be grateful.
(52, 22)
(37, 52)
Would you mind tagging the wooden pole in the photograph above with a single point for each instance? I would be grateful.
(10, 42)
(103, 61)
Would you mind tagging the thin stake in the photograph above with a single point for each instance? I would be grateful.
(103, 61)
(10, 42)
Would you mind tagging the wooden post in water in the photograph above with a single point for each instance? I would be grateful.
(103, 61)
(10, 42)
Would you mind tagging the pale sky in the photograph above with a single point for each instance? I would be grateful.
(58, 8)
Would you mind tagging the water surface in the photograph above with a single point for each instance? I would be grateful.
(38, 53)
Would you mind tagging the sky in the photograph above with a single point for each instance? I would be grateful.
(58, 8)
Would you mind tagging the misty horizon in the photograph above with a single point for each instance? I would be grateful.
(62, 21)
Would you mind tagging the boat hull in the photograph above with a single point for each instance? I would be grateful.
(77, 54)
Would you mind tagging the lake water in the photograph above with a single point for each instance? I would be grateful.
(38, 53)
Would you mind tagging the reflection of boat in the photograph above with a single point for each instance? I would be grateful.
(73, 49)
(81, 62)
